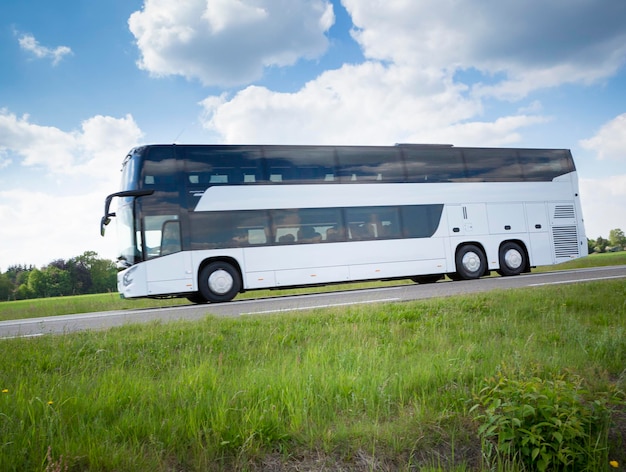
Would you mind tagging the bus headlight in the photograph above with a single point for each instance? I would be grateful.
(127, 279)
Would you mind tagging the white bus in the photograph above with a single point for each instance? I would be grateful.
(209, 221)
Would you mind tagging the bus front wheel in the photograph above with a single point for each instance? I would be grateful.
(471, 262)
(512, 259)
(219, 282)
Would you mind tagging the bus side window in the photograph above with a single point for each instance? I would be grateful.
(368, 223)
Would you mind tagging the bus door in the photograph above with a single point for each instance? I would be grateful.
(168, 267)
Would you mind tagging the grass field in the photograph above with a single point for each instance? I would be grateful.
(385, 387)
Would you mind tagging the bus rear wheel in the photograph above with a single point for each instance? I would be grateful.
(219, 282)
(512, 259)
(471, 262)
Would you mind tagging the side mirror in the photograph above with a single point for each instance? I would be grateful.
(106, 219)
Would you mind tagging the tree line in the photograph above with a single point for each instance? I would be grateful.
(79, 275)
(616, 242)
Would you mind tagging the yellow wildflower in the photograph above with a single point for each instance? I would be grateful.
(614, 464)
(50, 402)
(5, 390)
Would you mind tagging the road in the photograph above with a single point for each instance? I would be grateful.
(108, 319)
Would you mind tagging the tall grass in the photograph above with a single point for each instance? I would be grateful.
(384, 387)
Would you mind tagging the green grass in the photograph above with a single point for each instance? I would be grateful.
(385, 387)
(44, 307)
(593, 260)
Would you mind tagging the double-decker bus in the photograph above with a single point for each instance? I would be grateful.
(209, 221)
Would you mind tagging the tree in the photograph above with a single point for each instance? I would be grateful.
(59, 282)
(591, 245)
(601, 244)
(617, 238)
(38, 284)
(6, 288)
(24, 292)
(102, 272)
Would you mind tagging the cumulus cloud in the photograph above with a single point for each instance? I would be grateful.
(228, 42)
(29, 43)
(80, 168)
(534, 44)
(610, 141)
(366, 104)
(412, 87)
(90, 151)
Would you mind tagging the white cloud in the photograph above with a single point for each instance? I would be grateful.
(410, 89)
(29, 43)
(39, 227)
(58, 218)
(89, 151)
(228, 42)
(603, 205)
(610, 141)
(364, 104)
(532, 44)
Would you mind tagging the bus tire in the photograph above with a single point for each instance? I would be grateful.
(219, 282)
(426, 279)
(512, 259)
(471, 262)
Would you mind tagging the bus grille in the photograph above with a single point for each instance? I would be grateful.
(565, 241)
(564, 211)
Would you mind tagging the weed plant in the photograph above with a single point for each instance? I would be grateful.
(384, 387)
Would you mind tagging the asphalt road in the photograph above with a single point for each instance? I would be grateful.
(108, 319)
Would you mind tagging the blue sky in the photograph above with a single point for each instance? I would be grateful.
(83, 82)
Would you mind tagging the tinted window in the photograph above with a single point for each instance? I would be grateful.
(492, 165)
(545, 165)
(211, 230)
(308, 225)
(214, 165)
(420, 221)
(367, 164)
(159, 167)
(299, 164)
(434, 164)
(364, 223)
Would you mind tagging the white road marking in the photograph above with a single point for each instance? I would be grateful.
(320, 306)
(579, 280)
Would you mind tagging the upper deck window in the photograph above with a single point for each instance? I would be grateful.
(545, 164)
(212, 165)
(370, 164)
(492, 165)
(434, 164)
(159, 167)
(299, 164)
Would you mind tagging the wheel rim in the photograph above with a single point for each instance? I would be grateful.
(220, 282)
(471, 262)
(513, 259)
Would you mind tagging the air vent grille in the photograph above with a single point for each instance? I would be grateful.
(564, 211)
(565, 241)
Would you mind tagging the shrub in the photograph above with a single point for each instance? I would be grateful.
(543, 424)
